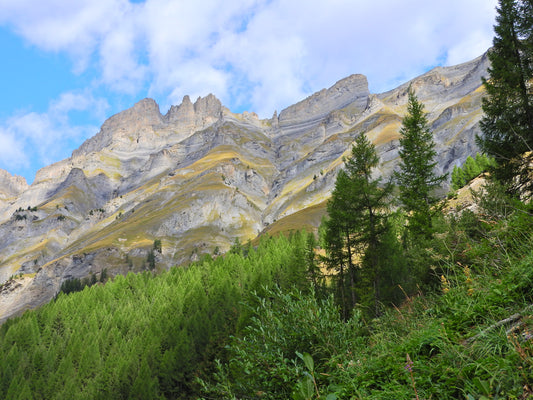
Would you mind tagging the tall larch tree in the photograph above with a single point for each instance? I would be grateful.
(416, 177)
(507, 123)
(357, 220)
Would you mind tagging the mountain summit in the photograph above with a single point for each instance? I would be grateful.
(200, 177)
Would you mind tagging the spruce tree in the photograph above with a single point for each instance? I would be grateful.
(416, 177)
(507, 124)
(357, 220)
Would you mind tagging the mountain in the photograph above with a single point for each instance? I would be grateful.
(200, 176)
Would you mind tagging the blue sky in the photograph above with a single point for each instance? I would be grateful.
(68, 65)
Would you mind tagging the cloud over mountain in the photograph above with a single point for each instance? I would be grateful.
(253, 55)
(259, 54)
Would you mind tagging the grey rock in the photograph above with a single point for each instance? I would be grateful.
(11, 185)
(304, 115)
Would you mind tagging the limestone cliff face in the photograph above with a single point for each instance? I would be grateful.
(11, 186)
(308, 113)
(200, 176)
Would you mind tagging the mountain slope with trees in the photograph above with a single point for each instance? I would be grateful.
(257, 323)
(199, 176)
(406, 301)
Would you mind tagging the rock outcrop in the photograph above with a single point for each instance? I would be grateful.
(308, 113)
(200, 176)
(11, 186)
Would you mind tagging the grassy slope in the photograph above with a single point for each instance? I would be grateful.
(471, 338)
(308, 219)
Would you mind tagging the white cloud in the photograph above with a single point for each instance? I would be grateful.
(43, 138)
(75, 27)
(265, 54)
(77, 101)
(180, 39)
(12, 152)
(260, 55)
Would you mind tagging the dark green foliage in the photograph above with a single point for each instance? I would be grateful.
(71, 285)
(30, 208)
(393, 275)
(356, 226)
(76, 285)
(91, 212)
(265, 361)
(311, 260)
(237, 247)
(507, 123)
(416, 177)
(150, 259)
(103, 275)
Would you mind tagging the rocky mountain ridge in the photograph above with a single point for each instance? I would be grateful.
(200, 176)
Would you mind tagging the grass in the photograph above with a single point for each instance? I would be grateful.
(308, 219)
(469, 335)
(453, 338)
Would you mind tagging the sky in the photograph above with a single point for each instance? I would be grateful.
(69, 65)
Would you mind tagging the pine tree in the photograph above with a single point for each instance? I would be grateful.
(416, 177)
(471, 169)
(356, 221)
(157, 245)
(150, 259)
(507, 124)
(314, 274)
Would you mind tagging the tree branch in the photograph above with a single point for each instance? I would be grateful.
(511, 319)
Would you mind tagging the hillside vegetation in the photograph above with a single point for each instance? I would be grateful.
(395, 299)
(253, 324)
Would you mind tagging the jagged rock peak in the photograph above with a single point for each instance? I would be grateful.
(208, 106)
(184, 110)
(353, 89)
(147, 107)
(11, 185)
(144, 113)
